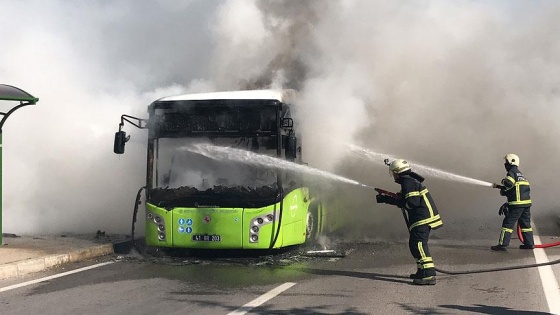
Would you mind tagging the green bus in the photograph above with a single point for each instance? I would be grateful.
(196, 202)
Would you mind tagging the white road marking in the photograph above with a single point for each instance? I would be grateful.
(23, 284)
(262, 299)
(548, 278)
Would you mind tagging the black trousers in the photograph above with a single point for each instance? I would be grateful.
(521, 216)
(418, 245)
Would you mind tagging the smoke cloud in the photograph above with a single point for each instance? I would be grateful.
(88, 64)
(452, 85)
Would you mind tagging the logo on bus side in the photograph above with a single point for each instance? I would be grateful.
(207, 219)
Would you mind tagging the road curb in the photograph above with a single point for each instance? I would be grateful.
(39, 264)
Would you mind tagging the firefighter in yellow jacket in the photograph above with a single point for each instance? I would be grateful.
(518, 207)
(423, 216)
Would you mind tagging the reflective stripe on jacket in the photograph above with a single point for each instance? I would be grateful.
(516, 188)
(419, 204)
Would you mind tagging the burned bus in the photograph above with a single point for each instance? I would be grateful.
(194, 201)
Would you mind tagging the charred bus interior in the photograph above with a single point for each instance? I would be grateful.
(177, 177)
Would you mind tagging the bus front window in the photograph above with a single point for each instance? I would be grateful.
(182, 173)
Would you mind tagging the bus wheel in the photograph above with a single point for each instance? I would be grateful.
(311, 226)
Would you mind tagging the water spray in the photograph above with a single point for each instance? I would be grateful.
(248, 157)
(378, 157)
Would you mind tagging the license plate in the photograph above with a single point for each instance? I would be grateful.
(207, 238)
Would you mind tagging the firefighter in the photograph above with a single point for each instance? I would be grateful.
(422, 216)
(518, 209)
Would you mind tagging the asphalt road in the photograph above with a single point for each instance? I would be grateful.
(371, 279)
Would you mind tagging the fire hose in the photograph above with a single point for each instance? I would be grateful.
(553, 262)
(547, 245)
(464, 272)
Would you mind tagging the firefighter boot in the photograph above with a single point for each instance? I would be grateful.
(417, 275)
(426, 277)
(526, 246)
(499, 248)
(429, 280)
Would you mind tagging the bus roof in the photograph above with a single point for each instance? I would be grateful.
(280, 95)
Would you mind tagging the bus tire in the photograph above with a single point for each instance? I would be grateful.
(312, 224)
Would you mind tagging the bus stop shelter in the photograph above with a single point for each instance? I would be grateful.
(9, 94)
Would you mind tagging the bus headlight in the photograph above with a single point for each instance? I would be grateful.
(257, 224)
(161, 227)
(161, 236)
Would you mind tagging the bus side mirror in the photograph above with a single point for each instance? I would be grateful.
(120, 140)
(291, 147)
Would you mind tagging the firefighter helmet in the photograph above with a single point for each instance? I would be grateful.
(399, 166)
(512, 159)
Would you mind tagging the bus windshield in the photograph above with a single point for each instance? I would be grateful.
(184, 178)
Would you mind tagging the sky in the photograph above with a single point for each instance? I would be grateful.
(454, 85)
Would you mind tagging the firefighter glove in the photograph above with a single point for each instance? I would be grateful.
(385, 199)
(503, 209)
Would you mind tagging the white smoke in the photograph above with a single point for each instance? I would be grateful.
(88, 64)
